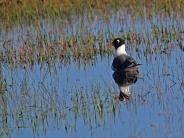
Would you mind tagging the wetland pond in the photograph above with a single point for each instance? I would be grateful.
(56, 78)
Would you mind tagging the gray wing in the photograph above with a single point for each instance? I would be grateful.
(122, 62)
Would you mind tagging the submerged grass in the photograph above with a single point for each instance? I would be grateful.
(38, 109)
(83, 46)
(48, 51)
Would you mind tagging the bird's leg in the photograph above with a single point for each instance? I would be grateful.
(123, 96)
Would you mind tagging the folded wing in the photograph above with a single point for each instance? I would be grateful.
(123, 62)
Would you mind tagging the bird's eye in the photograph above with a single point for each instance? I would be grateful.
(118, 40)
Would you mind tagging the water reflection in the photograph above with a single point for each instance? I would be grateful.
(124, 79)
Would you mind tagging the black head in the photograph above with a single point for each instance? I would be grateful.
(118, 42)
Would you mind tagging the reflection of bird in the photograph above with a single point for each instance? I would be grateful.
(125, 69)
(124, 79)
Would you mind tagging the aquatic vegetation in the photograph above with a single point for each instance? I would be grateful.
(46, 40)
(38, 108)
(55, 73)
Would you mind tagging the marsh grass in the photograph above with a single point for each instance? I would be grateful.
(36, 109)
(82, 38)
(86, 47)
(44, 39)
(21, 11)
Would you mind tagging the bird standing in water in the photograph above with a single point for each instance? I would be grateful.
(125, 69)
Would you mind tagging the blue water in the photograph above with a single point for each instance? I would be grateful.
(154, 110)
(156, 105)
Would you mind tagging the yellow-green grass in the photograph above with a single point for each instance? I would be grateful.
(16, 11)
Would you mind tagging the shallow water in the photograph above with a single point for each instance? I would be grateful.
(76, 99)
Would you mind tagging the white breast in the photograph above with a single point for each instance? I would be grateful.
(121, 50)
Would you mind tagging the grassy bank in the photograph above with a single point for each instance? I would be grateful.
(16, 11)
